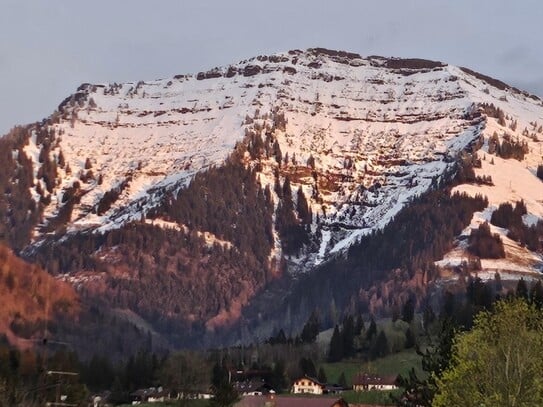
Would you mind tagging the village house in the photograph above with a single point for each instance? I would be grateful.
(366, 382)
(308, 385)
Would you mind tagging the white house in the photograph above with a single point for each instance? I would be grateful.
(308, 385)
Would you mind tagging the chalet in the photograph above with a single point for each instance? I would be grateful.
(366, 381)
(308, 385)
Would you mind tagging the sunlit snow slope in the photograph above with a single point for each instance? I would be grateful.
(380, 131)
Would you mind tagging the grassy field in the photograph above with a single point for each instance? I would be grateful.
(398, 363)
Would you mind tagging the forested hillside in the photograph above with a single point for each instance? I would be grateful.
(33, 302)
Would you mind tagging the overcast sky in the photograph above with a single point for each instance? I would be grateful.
(50, 47)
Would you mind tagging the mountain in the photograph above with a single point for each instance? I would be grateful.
(246, 196)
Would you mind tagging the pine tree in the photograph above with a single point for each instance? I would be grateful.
(307, 367)
(359, 325)
(348, 336)
(293, 235)
(498, 286)
(539, 172)
(277, 152)
(287, 190)
(335, 351)
(219, 375)
(61, 160)
(536, 294)
(408, 310)
(380, 347)
(372, 330)
(409, 339)
(311, 161)
(311, 328)
(302, 207)
(522, 289)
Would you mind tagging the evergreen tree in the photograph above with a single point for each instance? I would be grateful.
(409, 339)
(307, 367)
(61, 160)
(335, 351)
(302, 207)
(522, 289)
(277, 152)
(348, 336)
(498, 286)
(219, 375)
(287, 190)
(408, 310)
(539, 172)
(280, 338)
(359, 325)
(372, 330)
(485, 244)
(311, 328)
(380, 347)
(293, 235)
(428, 316)
(311, 162)
(536, 294)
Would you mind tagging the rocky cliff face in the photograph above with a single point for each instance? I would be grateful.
(272, 165)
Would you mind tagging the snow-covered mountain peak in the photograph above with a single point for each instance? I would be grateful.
(362, 135)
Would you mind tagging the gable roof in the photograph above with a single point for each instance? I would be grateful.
(366, 379)
(306, 377)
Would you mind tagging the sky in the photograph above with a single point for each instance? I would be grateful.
(48, 48)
